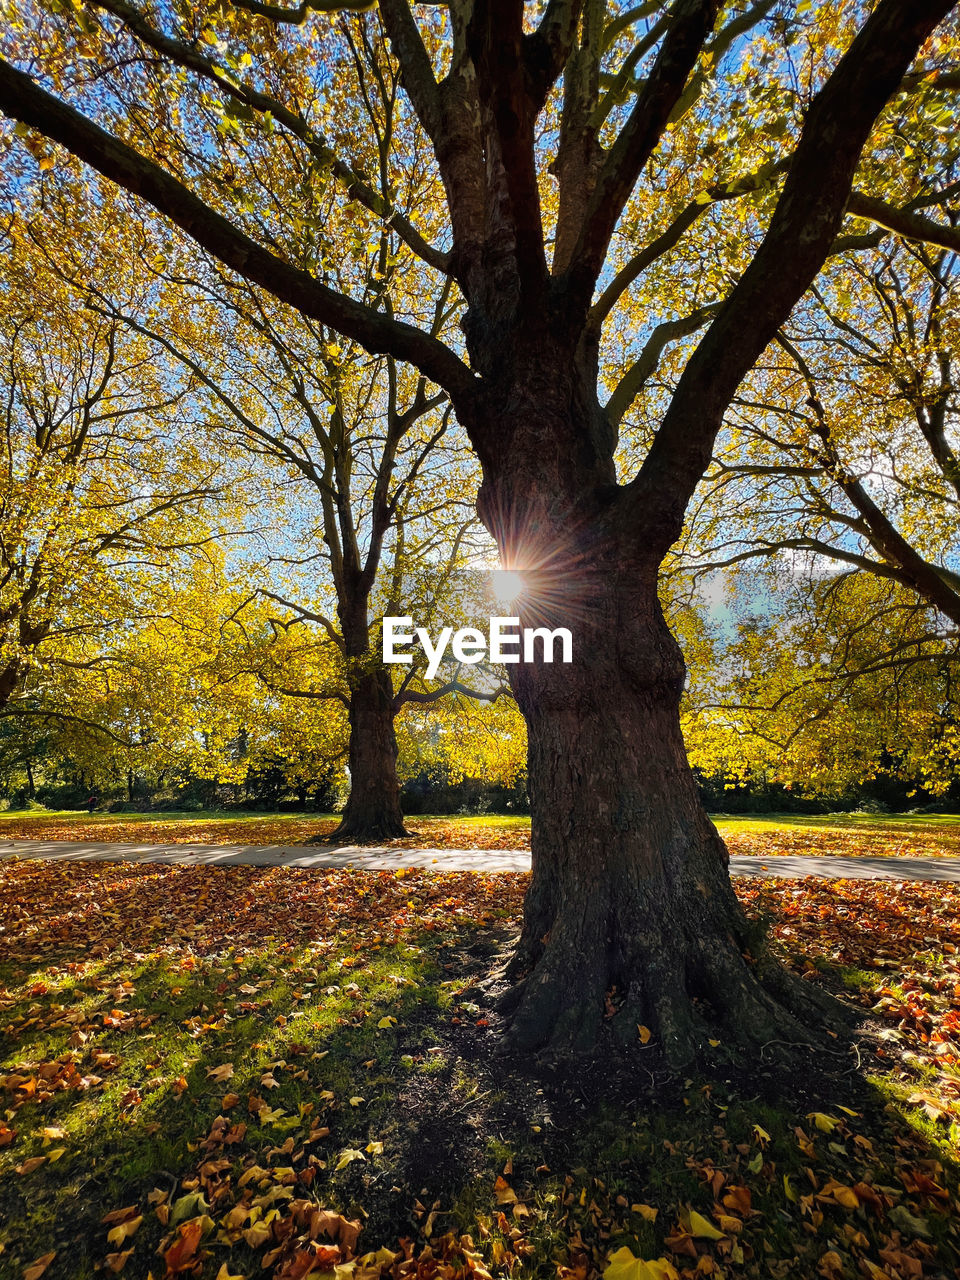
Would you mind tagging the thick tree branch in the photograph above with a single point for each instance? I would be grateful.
(497, 43)
(692, 23)
(802, 230)
(623, 21)
(632, 382)
(548, 48)
(24, 100)
(449, 115)
(451, 686)
(904, 222)
(415, 69)
(298, 14)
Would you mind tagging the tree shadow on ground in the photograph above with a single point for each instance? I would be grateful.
(220, 1078)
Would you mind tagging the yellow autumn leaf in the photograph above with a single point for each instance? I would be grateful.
(225, 1274)
(381, 1258)
(386, 1023)
(504, 1193)
(258, 1234)
(347, 1156)
(646, 1211)
(624, 1265)
(847, 1197)
(123, 1230)
(645, 1033)
(825, 1123)
(702, 1228)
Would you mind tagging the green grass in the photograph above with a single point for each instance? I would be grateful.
(726, 822)
(157, 1100)
(837, 821)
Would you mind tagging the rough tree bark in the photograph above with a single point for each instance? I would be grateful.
(630, 895)
(372, 811)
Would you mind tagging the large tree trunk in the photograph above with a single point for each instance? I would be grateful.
(372, 812)
(630, 916)
(631, 906)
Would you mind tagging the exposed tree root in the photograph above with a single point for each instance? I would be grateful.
(696, 985)
(364, 831)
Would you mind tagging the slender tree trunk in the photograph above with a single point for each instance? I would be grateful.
(373, 810)
(31, 786)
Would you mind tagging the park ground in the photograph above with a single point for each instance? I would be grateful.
(216, 1072)
(835, 835)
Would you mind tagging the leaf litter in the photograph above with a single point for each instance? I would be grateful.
(222, 1072)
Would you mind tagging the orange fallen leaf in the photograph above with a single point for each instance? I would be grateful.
(36, 1269)
(181, 1255)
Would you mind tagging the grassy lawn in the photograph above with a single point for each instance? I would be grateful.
(216, 1072)
(846, 835)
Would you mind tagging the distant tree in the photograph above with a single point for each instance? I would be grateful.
(824, 682)
(374, 487)
(103, 499)
(842, 446)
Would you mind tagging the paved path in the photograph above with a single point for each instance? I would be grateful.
(373, 858)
